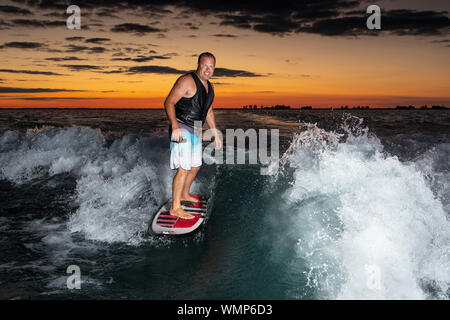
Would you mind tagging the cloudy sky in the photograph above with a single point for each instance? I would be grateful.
(319, 53)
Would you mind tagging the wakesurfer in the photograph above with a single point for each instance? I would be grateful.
(189, 100)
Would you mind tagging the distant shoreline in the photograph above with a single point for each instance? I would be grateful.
(247, 110)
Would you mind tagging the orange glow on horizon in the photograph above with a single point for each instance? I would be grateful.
(260, 69)
(229, 102)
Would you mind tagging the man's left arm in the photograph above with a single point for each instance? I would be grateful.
(211, 121)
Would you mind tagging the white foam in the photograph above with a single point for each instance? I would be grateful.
(118, 186)
(55, 149)
(364, 214)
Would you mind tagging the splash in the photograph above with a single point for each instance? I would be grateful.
(368, 226)
(118, 184)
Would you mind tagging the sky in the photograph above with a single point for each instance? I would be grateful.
(128, 54)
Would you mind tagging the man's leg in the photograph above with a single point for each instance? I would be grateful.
(196, 163)
(185, 195)
(177, 189)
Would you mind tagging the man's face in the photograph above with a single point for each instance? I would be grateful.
(206, 67)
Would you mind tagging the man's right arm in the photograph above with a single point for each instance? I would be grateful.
(179, 89)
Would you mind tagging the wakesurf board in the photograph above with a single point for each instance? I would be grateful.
(163, 223)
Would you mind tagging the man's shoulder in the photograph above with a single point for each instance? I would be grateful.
(186, 79)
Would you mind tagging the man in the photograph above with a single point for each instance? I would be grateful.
(189, 100)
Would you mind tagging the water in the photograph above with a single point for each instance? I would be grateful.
(359, 208)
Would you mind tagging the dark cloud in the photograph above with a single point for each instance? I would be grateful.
(218, 72)
(224, 72)
(411, 22)
(222, 35)
(279, 18)
(22, 45)
(275, 24)
(445, 42)
(191, 26)
(347, 26)
(4, 25)
(97, 40)
(70, 58)
(142, 58)
(45, 73)
(155, 69)
(76, 48)
(136, 28)
(81, 67)
(107, 13)
(268, 23)
(39, 23)
(96, 50)
(59, 5)
(324, 17)
(132, 50)
(57, 98)
(15, 10)
(396, 22)
(74, 38)
(112, 71)
(33, 90)
(236, 20)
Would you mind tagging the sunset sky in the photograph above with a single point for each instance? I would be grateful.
(320, 53)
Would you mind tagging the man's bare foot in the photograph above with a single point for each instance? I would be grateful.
(189, 198)
(178, 212)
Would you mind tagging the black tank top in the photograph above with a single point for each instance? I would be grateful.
(192, 109)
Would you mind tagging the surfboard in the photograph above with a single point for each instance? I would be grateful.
(163, 223)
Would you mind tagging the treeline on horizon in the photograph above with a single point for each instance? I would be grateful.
(246, 107)
(277, 107)
(284, 107)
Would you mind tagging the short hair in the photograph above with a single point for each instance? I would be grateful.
(206, 54)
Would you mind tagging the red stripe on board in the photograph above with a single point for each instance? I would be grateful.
(166, 222)
(187, 223)
(167, 219)
(168, 216)
(164, 225)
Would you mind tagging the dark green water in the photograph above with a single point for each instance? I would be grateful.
(338, 214)
(232, 257)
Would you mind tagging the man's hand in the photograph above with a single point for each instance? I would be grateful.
(217, 140)
(177, 134)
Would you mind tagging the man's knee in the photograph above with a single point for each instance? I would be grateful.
(182, 172)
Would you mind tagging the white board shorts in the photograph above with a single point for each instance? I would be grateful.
(186, 154)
